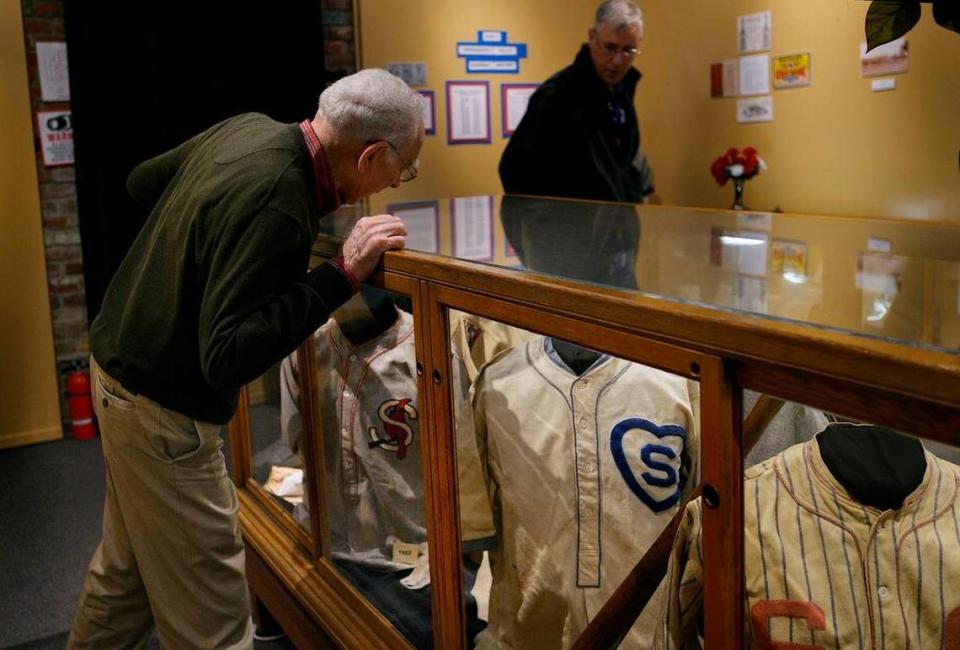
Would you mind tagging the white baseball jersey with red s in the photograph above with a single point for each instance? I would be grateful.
(825, 572)
(371, 436)
(582, 473)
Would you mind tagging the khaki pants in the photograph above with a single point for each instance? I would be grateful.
(171, 553)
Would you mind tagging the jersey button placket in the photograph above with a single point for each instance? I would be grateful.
(348, 397)
(588, 505)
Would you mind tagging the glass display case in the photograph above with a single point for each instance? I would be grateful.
(501, 439)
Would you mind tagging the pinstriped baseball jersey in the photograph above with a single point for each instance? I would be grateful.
(582, 474)
(826, 572)
(371, 435)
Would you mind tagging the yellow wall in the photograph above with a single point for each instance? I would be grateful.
(29, 408)
(835, 147)
(427, 30)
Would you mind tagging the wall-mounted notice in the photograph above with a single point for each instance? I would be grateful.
(731, 79)
(755, 74)
(753, 32)
(468, 112)
(491, 53)
(889, 58)
(723, 79)
(514, 99)
(414, 73)
(755, 109)
(422, 219)
(429, 112)
(56, 137)
(716, 80)
(54, 76)
(791, 70)
(472, 227)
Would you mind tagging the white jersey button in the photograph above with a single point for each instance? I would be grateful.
(584, 422)
(587, 512)
(353, 357)
(884, 592)
(583, 384)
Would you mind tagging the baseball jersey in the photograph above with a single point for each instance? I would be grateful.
(370, 424)
(581, 473)
(826, 572)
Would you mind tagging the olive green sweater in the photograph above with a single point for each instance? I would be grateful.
(215, 289)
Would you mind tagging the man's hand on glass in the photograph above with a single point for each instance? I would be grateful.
(368, 240)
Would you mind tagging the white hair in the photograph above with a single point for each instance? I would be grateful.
(372, 105)
(622, 14)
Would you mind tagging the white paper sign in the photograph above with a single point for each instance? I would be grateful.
(54, 78)
(56, 137)
(473, 227)
(731, 84)
(468, 112)
(755, 109)
(753, 32)
(755, 74)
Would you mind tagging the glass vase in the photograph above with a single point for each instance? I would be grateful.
(737, 194)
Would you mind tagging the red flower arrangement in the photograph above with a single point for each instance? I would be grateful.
(738, 165)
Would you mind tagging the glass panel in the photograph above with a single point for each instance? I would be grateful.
(570, 464)
(883, 278)
(850, 532)
(372, 485)
(276, 437)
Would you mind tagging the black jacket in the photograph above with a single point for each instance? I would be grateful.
(564, 145)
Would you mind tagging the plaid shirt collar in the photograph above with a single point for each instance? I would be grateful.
(327, 199)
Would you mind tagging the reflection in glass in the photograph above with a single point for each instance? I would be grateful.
(850, 541)
(277, 460)
(570, 463)
(372, 485)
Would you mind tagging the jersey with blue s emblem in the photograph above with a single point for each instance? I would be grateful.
(583, 473)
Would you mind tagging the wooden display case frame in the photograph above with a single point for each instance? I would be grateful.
(913, 389)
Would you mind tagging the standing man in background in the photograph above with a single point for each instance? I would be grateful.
(214, 291)
(579, 137)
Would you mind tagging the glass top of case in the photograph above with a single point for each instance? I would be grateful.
(892, 279)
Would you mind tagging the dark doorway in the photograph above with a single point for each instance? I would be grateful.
(146, 76)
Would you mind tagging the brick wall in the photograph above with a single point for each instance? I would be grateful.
(338, 38)
(43, 21)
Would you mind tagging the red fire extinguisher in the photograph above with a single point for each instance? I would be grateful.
(81, 405)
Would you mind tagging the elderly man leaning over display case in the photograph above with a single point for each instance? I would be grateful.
(214, 291)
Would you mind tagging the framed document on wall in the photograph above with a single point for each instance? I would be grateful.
(513, 104)
(429, 112)
(468, 112)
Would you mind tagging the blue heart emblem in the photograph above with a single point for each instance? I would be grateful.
(660, 473)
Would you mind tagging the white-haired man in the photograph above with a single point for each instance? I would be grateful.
(213, 292)
(579, 137)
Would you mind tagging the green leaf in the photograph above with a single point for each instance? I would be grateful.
(947, 14)
(888, 20)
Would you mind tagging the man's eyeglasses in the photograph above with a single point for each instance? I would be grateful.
(611, 50)
(409, 171)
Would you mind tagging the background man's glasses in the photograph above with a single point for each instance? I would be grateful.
(611, 50)
(409, 171)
